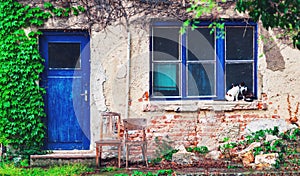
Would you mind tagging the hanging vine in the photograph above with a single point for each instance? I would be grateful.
(21, 101)
(107, 12)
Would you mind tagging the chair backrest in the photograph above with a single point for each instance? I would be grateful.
(110, 125)
(134, 124)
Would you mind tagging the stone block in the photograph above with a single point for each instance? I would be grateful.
(269, 158)
(247, 158)
(263, 124)
(214, 154)
(184, 158)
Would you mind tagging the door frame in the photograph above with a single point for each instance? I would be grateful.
(43, 42)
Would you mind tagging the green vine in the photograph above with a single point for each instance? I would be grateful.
(21, 101)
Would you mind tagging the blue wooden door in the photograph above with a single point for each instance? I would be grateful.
(66, 80)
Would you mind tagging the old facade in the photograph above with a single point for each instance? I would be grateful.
(126, 62)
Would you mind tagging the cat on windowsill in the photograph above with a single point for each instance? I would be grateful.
(239, 92)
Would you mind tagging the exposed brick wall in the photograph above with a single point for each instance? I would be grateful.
(198, 128)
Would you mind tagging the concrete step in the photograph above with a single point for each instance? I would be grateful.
(60, 157)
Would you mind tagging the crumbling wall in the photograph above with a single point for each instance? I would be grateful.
(185, 122)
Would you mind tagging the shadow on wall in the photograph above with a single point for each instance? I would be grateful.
(274, 59)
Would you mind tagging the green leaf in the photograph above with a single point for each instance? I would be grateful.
(189, 9)
(48, 5)
(186, 23)
(6, 104)
(75, 11)
(31, 34)
(81, 9)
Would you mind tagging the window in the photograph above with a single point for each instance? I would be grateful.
(64, 55)
(198, 64)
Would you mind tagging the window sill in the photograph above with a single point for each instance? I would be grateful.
(195, 106)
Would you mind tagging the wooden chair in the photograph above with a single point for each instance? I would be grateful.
(135, 125)
(109, 135)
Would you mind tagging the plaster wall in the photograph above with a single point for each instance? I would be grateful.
(109, 64)
(281, 82)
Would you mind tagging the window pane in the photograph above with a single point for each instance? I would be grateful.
(64, 55)
(239, 43)
(200, 44)
(201, 79)
(166, 43)
(237, 73)
(166, 80)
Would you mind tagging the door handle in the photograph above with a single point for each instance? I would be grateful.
(85, 94)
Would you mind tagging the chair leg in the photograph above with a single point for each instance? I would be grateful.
(127, 153)
(97, 155)
(144, 153)
(119, 156)
(100, 154)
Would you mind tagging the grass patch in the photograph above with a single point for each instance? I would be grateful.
(71, 169)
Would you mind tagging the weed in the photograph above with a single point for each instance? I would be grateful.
(200, 149)
(168, 156)
(231, 167)
(229, 145)
(165, 172)
(257, 150)
(121, 174)
(226, 139)
(164, 150)
(140, 173)
(109, 169)
(286, 146)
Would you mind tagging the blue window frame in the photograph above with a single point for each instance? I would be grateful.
(200, 65)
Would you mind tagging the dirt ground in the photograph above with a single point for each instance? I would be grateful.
(202, 167)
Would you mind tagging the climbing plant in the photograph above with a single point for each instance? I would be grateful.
(21, 101)
(275, 14)
(272, 13)
(21, 97)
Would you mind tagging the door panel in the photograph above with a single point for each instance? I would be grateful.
(66, 80)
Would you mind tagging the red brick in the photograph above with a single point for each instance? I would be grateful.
(161, 126)
(251, 116)
(153, 121)
(234, 116)
(275, 116)
(177, 116)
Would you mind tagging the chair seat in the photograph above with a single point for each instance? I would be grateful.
(109, 141)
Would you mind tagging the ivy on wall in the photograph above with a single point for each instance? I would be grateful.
(21, 101)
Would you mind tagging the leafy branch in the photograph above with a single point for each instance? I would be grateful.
(272, 13)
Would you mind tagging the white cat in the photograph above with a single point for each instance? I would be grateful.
(233, 94)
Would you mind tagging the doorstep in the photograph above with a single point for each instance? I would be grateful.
(59, 157)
